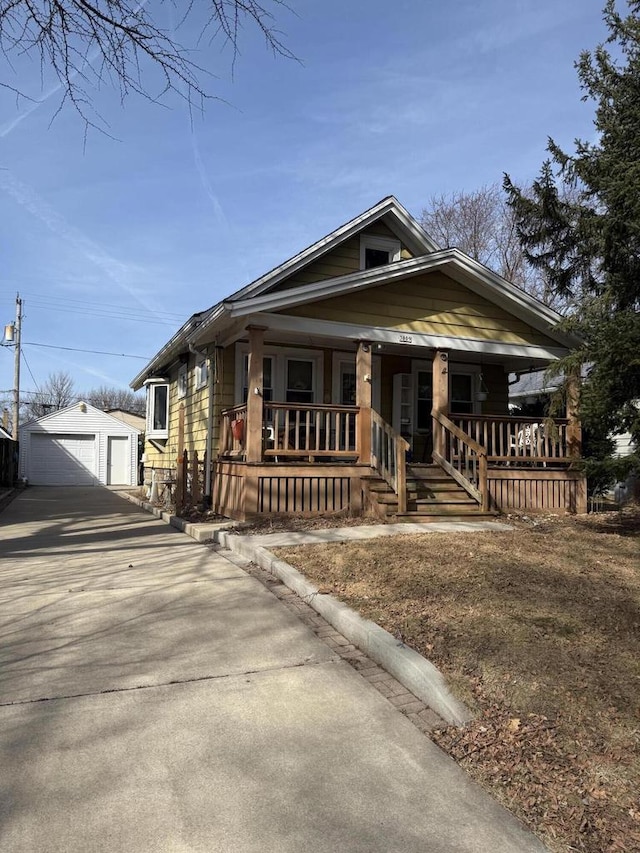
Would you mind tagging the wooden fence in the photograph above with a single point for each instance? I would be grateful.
(8, 462)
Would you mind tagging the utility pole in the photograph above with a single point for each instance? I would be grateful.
(16, 369)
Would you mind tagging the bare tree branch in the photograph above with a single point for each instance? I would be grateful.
(91, 42)
(483, 225)
(54, 394)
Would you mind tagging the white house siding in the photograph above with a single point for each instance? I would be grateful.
(624, 446)
(73, 432)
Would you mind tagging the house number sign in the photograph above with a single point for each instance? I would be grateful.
(406, 339)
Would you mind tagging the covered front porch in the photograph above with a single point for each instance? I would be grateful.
(440, 456)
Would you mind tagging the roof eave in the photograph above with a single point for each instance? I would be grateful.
(168, 352)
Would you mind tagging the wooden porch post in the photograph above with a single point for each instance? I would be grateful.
(363, 400)
(440, 395)
(574, 435)
(574, 427)
(253, 426)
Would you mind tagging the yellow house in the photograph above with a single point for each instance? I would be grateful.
(370, 372)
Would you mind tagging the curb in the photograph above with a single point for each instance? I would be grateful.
(413, 671)
(202, 533)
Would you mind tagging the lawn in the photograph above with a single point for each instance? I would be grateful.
(538, 631)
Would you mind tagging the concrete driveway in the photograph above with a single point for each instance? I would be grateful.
(154, 697)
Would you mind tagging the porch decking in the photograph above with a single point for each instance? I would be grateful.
(320, 459)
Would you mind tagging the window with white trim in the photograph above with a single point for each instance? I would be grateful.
(461, 396)
(201, 372)
(183, 381)
(378, 251)
(267, 378)
(424, 399)
(300, 380)
(289, 375)
(157, 408)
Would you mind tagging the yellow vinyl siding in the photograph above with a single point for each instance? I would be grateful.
(195, 405)
(432, 304)
(342, 260)
(223, 391)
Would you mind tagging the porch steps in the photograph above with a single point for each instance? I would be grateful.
(431, 495)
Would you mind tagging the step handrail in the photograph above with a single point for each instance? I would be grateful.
(460, 459)
(389, 457)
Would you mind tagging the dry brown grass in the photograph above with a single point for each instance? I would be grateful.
(538, 630)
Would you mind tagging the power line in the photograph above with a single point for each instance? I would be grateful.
(57, 299)
(93, 351)
(97, 313)
(24, 358)
(22, 392)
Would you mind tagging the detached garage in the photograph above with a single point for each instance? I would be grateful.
(79, 446)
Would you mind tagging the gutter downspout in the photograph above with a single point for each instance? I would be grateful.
(209, 438)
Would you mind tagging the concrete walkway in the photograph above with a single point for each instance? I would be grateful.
(155, 697)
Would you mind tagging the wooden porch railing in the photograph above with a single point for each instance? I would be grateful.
(296, 429)
(389, 457)
(518, 440)
(234, 428)
(462, 457)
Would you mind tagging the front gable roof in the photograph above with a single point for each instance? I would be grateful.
(389, 209)
(82, 408)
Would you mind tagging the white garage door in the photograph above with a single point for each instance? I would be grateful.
(62, 460)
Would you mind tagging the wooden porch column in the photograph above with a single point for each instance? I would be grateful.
(574, 426)
(253, 426)
(363, 400)
(440, 395)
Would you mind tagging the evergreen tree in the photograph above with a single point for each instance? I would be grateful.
(586, 242)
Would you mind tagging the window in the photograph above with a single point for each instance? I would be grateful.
(347, 383)
(289, 375)
(267, 378)
(202, 372)
(378, 251)
(299, 381)
(461, 401)
(183, 381)
(424, 400)
(157, 408)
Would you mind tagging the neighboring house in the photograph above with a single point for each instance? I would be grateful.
(79, 446)
(130, 418)
(4, 433)
(532, 390)
(368, 372)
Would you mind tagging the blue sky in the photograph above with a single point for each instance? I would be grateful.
(114, 243)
